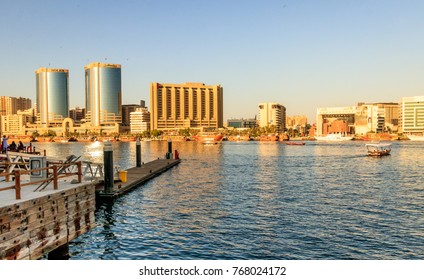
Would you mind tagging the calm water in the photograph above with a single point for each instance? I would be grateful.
(262, 201)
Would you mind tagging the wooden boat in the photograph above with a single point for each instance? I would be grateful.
(378, 149)
(209, 138)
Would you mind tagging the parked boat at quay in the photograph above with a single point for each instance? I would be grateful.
(415, 137)
(209, 137)
(334, 137)
(378, 149)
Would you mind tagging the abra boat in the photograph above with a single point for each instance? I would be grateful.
(209, 138)
(415, 137)
(378, 149)
(334, 137)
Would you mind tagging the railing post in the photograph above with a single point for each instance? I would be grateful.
(7, 166)
(55, 183)
(18, 184)
(79, 163)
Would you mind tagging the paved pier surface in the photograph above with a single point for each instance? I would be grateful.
(139, 175)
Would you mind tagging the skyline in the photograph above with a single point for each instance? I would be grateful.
(301, 54)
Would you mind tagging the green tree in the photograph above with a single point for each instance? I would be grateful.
(156, 133)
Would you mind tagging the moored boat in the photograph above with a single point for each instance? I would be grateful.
(378, 149)
(209, 137)
(334, 137)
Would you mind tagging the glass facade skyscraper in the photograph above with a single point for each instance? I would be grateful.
(52, 95)
(103, 96)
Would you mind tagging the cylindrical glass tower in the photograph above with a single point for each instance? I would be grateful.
(52, 94)
(103, 96)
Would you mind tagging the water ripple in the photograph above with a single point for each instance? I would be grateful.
(265, 201)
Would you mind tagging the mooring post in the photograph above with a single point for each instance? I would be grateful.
(108, 164)
(169, 153)
(138, 152)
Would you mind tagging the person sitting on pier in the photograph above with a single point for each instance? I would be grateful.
(21, 147)
(12, 146)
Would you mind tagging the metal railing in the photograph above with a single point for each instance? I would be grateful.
(58, 171)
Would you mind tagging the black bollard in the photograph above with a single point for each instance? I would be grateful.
(138, 152)
(170, 145)
(108, 164)
(169, 153)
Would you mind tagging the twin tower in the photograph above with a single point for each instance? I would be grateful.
(103, 94)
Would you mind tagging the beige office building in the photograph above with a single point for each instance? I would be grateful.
(272, 114)
(189, 105)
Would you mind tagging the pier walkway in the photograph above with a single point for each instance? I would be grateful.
(138, 175)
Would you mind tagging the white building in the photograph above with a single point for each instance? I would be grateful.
(272, 114)
(139, 120)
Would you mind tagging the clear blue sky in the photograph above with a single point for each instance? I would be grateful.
(302, 54)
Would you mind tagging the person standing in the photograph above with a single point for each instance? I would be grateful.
(5, 144)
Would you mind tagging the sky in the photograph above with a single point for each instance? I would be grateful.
(301, 54)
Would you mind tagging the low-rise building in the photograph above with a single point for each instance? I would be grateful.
(139, 120)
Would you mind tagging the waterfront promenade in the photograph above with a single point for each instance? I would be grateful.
(35, 222)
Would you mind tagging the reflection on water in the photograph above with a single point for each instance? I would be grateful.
(258, 200)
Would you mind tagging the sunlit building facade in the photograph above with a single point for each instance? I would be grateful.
(11, 105)
(360, 120)
(188, 105)
(412, 115)
(272, 114)
(139, 120)
(103, 94)
(52, 95)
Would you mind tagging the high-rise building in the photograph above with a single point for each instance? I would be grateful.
(188, 105)
(103, 94)
(272, 114)
(11, 105)
(412, 114)
(52, 95)
(139, 120)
